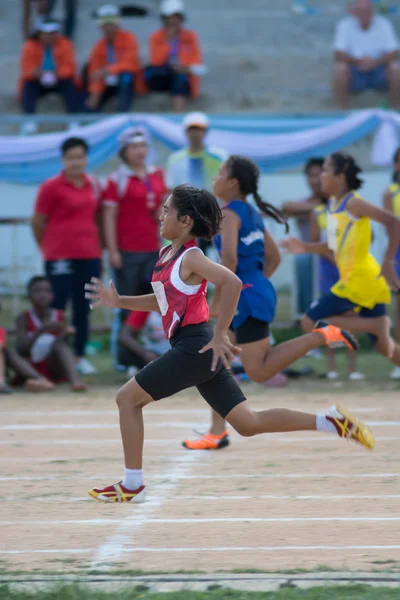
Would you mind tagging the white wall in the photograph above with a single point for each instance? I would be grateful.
(18, 200)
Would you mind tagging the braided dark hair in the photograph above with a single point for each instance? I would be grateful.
(396, 175)
(247, 173)
(201, 206)
(345, 164)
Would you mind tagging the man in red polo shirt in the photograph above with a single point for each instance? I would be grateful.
(132, 199)
(65, 226)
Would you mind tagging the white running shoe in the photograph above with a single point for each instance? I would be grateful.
(356, 376)
(84, 367)
(332, 375)
(395, 374)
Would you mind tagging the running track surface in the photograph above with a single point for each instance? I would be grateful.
(271, 503)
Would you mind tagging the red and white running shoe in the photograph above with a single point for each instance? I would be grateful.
(117, 493)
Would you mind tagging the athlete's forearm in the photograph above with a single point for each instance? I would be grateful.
(146, 303)
(393, 233)
(228, 301)
(317, 248)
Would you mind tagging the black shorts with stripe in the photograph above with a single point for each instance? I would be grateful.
(183, 367)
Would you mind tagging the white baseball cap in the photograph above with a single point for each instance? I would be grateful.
(196, 119)
(48, 25)
(108, 14)
(132, 135)
(172, 7)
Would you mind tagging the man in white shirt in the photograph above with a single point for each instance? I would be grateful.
(366, 54)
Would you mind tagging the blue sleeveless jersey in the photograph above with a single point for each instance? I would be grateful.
(258, 297)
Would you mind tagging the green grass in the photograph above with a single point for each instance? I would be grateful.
(73, 592)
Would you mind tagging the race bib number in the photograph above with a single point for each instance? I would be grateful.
(331, 230)
(158, 288)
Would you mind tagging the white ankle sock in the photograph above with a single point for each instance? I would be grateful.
(133, 479)
(323, 424)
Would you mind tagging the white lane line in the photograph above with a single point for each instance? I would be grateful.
(139, 521)
(179, 475)
(180, 457)
(162, 425)
(128, 526)
(206, 549)
(211, 498)
(162, 441)
(156, 411)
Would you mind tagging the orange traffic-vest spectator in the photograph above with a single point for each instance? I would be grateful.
(48, 65)
(175, 56)
(114, 63)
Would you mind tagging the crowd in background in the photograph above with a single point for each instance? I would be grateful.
(76, 217)
(365, 53)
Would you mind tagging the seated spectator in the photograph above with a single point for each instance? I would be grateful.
(114, 64)
(141, 340)
(41, 336)
(48, 66)
(175, 57)
(366, 53)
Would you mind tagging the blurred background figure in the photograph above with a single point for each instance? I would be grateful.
(197, 164)
(66, 225)
(141, 340)
(366, 54)
(42, 334)
(48, 66)
(302, 211)
(114, 64)
(34, 11)
(391, 201)
(175, 57)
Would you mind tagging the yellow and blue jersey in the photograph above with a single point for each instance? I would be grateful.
(349, 238)
(394, 190)
(194, 168)
(328, 272)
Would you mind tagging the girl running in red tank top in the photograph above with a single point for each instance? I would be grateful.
(200, 355)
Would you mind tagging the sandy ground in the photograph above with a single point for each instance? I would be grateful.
(276, 502)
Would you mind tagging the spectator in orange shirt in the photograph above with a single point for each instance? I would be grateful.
(48, 66)
(114, 63)
(175, 57)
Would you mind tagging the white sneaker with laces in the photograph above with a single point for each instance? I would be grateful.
(395, 374)
(84, 367)
(356, 376)
(332, 375)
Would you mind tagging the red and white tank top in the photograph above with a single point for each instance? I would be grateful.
(180, 304)
(33, 323)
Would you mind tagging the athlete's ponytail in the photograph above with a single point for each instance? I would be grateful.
(201, 206)
(247, 174)
(396, 174)
(345, 164)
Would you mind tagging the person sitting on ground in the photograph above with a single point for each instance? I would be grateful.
(175, 57)
(141, 340)
(114, 64)
(366, 54)
(42, 333)
(48, 65)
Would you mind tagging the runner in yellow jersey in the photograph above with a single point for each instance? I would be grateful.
(391, 202)
(358, 300)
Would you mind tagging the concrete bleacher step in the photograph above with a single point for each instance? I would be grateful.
(260, 54)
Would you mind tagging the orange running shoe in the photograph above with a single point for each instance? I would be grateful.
(208, 442)
(336, 337)
(117, 493)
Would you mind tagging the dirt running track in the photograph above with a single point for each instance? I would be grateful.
(272, 503)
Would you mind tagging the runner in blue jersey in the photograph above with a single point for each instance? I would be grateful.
(247, 248)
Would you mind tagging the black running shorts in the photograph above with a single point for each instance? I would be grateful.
(252, 330)
(183, 367)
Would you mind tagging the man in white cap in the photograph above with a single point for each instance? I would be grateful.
(113, 64)
(197, 164)
(175, 57)
(48, 65)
